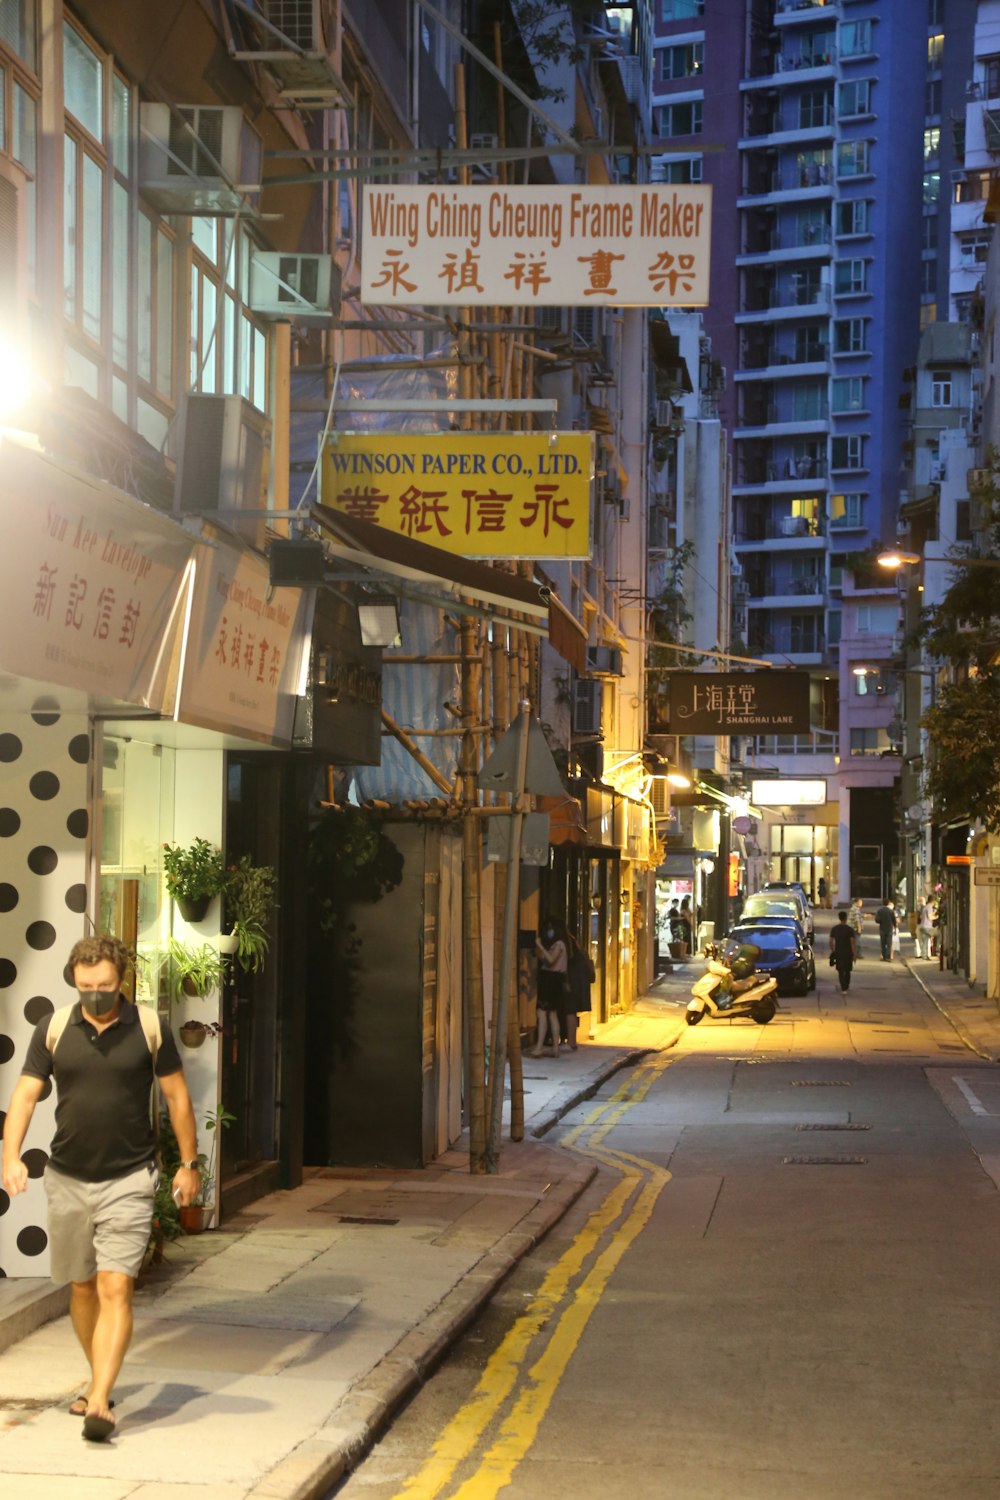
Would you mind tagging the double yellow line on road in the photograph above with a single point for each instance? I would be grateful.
(641, 1181)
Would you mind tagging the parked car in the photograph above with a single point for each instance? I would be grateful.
(790, 899)
(783, 951)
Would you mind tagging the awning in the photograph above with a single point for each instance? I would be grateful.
(665, 347)
(567, 824)
(453, 578)
(567, 635)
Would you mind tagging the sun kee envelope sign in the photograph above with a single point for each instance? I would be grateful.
(642, 246)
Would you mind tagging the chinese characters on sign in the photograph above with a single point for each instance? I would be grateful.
(761, 702)
(241, 668)
(473, 494)
(536, 246)
(92, 582)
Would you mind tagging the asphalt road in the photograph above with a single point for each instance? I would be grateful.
(781, 1285)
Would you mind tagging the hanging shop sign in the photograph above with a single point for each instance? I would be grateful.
(93, 582)
(470, 493)
(787, 792)
(579, 246)
(243, 661)
(739, 702)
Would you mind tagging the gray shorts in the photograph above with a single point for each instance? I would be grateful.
(99, 1226)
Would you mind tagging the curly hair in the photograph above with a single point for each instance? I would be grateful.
(93, 950)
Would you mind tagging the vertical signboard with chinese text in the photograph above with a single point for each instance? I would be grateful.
(92, 582)
(643, 246)
(243, 659)
(524, 494)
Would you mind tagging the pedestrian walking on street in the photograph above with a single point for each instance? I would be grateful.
(552, 988)
(581, 974)
(102, 1053)
(855, 920)
(842, 950)
(925, 928)
(821, 891)
(885, 916)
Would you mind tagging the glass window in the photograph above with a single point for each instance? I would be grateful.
(120, 278)
(812, 227)
(932, 97)
(683, 61)
(683, 169)
(205, 236)
(681, 119)
(846, 510)
(848, 394)
(813, 168)
(932, 143)
(23, 146)
(144, 363)
(849, 335)
(164, 313)
(850, 277)
(852, 216)
(681, 10)
(17, 29)
(928, 276)
(847, 452)
(853, 158)
(120, 126)
(833, 619)
(854, 98)
(870, 741)
(991, 77)
(808, 401)
(93, 246)
(815, 108)
(935, 51)
(855, 38)
(941, 388)
(932, 188)
(69, 227)
(83, 82)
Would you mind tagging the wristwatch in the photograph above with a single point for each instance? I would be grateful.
(192, 1166)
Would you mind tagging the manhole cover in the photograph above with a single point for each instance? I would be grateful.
(833, 1127)
(824, 1161)
(820, 1083)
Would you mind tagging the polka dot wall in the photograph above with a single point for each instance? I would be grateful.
(44, 827)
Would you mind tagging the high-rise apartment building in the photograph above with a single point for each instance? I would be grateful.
(808, 119)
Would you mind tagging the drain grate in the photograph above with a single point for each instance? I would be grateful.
(821, 1083)
(950, 1047)
(891, 1030)
(824, 1161)
(363, 1219)
(833, 1127)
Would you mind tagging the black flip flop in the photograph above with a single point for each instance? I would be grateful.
(97, 1429)
(76, 1401)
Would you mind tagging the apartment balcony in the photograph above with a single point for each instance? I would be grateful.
(784, 305)
(790, 133)
(787, 253)
(799, 71)
(795, 13)
(780, 533)
(788, 595)
(778, 424)
(785, 367)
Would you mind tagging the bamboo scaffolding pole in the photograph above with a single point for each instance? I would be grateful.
(427, 766)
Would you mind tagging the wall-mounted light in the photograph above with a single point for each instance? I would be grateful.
(678, 779)
(378, 617)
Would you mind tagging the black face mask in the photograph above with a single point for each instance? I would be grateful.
(98, 1002)
(550, 933)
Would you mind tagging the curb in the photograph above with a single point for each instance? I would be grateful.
(960, 1028)
(339, 1446)
(34, 1312)
(589, 1089)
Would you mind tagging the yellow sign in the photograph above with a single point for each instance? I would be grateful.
(477, 494)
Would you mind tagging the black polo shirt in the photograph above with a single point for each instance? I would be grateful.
(103, 1081)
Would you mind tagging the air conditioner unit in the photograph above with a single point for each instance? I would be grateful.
(223, 455)
(588, 693)
(604, 661)
(198, 158)
(484, 171)
(303, 288)
(664, 413)
(978, 480)
(585, 325)
(632, 78)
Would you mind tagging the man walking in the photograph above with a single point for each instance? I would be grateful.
(885, 916)
(842, 950)
(855, 920)
(103, 1052)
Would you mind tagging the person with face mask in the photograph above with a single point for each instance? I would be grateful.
(552, 987)
(101, 1175)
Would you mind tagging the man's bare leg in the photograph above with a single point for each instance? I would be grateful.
(111, 1336)
(83, 1311)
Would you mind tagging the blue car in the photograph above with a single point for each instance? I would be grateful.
(784, 951)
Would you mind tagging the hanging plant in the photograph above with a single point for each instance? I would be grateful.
(195, 971)
(193, 875)
(250, 900)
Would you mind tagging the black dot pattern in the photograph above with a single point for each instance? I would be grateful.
(45, 757)
(4, 1201)
(44, 785)
(76, 897)
(40, 935)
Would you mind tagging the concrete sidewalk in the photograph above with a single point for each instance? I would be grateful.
(267, 1355)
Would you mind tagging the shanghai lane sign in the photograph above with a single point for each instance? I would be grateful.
(762, 702)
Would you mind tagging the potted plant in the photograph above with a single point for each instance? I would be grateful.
(249, 900)
(193, 875)
(193, 1217)
(193, 1033)
(195, 971)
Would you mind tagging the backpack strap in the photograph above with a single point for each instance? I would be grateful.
(148, 1020)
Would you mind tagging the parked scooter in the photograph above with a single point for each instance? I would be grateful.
(733, 989)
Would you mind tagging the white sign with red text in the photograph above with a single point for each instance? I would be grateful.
(243, 657)
(582, 246)
(92, 582)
